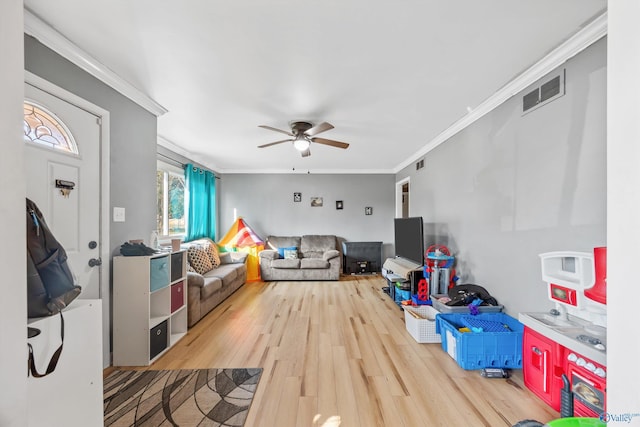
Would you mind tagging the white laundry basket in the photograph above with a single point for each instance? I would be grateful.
(422, 326)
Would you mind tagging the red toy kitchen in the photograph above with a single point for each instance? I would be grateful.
(565, 350)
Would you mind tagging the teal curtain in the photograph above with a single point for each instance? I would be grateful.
(200, 203)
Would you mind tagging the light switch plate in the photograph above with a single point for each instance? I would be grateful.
(118, 214)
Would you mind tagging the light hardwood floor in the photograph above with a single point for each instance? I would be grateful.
(338, 354)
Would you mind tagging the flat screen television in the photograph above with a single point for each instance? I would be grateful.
(409, 239)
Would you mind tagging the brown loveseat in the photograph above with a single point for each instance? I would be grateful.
(209, 285)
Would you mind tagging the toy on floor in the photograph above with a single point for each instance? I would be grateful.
(422, 297)
(438, 269)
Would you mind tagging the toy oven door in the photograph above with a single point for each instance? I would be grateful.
(588, 393)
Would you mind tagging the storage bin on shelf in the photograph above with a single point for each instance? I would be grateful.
(443, 308)
(402, 295)
(423, 327)
(477, 350)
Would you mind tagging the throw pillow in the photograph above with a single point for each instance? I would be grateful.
(290, 248)
(199, 259)
(214, 256)
(225, 258)
(291, 254)
(190, 269)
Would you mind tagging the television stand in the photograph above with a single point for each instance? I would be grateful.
(361, 257)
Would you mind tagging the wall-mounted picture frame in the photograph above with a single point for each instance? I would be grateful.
(338, 204)
(368, 210)
(297, 197)
(316, 202)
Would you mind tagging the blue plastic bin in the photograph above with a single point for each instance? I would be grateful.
(401, 295)
(477, 350)
(159, 272)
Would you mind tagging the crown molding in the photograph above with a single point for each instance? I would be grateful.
(303, 171)
(170, 145)
(588, 35)
(194, 158)
(45, 34)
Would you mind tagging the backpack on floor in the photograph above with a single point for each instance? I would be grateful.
(465, 294)
(50, 284)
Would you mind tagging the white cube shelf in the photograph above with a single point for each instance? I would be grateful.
(149, 306)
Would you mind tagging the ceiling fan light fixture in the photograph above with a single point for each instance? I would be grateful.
(301, 143)
(303, 134)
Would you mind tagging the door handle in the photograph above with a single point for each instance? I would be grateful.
(94, 262)
(544, 372)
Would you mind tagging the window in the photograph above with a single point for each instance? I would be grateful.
(43, 128)
(170, 189)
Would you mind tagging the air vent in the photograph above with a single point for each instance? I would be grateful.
(419, 164)
(547, 92)
(530, 100)
(550, 89)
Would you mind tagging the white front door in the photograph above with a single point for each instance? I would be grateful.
(72, 215)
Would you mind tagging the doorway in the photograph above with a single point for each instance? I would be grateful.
(402, 198)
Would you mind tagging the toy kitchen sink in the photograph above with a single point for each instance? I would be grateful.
(570, 341)
(574, 334)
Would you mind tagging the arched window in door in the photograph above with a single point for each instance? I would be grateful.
(42, 127)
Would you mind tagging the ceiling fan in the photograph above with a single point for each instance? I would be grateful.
(303, 134)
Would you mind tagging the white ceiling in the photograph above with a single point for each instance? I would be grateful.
(389, 75)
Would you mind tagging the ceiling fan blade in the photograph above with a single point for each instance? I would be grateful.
(274, 143)
(321, 127)
(306, 153)
(286, 132)
(330, 142)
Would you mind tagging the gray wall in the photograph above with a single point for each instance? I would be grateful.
(266, 203)
(133, 141)
(512, 186)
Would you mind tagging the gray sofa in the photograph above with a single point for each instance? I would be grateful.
(205, 291)
(316, 257)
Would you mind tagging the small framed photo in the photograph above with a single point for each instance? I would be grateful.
(316, 202)
(338, 204)
(368, 210)
(297, 197)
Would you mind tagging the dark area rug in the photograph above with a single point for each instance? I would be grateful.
(185, 398)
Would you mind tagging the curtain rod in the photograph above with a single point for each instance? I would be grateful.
(180, 164)
(172, 160)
